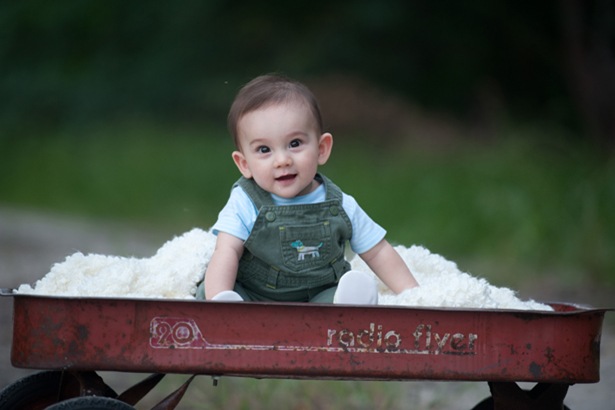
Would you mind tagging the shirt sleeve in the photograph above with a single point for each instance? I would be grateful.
(365, 232)
(238, 215)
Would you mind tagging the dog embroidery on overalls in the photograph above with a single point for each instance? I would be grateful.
(303, 250)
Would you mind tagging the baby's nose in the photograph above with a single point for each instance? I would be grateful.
(282, 159)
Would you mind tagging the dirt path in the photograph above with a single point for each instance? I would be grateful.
(31, 242)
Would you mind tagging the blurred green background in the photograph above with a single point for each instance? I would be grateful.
(481, 130)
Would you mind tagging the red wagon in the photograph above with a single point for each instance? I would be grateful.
(72, 338)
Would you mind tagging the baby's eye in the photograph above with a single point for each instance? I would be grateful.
(263, 149)
(295, 143)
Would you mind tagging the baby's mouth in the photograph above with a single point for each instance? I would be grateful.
(288, 177)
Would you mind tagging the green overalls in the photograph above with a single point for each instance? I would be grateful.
(295, 253)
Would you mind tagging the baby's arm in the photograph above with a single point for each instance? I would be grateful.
(389, 267)
(222, 269)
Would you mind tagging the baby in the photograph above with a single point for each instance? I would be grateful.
(282, 234)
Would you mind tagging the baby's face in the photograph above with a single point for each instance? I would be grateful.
(281, 148)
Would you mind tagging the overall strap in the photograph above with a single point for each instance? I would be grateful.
(258, 195)
(332, 190)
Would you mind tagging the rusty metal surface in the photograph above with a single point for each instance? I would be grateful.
(307, 340)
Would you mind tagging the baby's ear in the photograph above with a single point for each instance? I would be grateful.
(242, 164)
(325, 145)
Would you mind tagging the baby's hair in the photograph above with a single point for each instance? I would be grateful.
(268, 90)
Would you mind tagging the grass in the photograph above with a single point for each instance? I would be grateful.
(138, 174)
(508, 210)
(255, 394)
(508, 206)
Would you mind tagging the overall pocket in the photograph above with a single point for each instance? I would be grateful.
(306, 247)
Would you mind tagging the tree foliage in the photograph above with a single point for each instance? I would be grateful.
(67, 61)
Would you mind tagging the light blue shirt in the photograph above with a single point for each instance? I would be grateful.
(239, 214)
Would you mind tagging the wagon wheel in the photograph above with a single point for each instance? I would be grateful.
(33, 392)
(91, 403)
(508, 395)
(487, 404)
